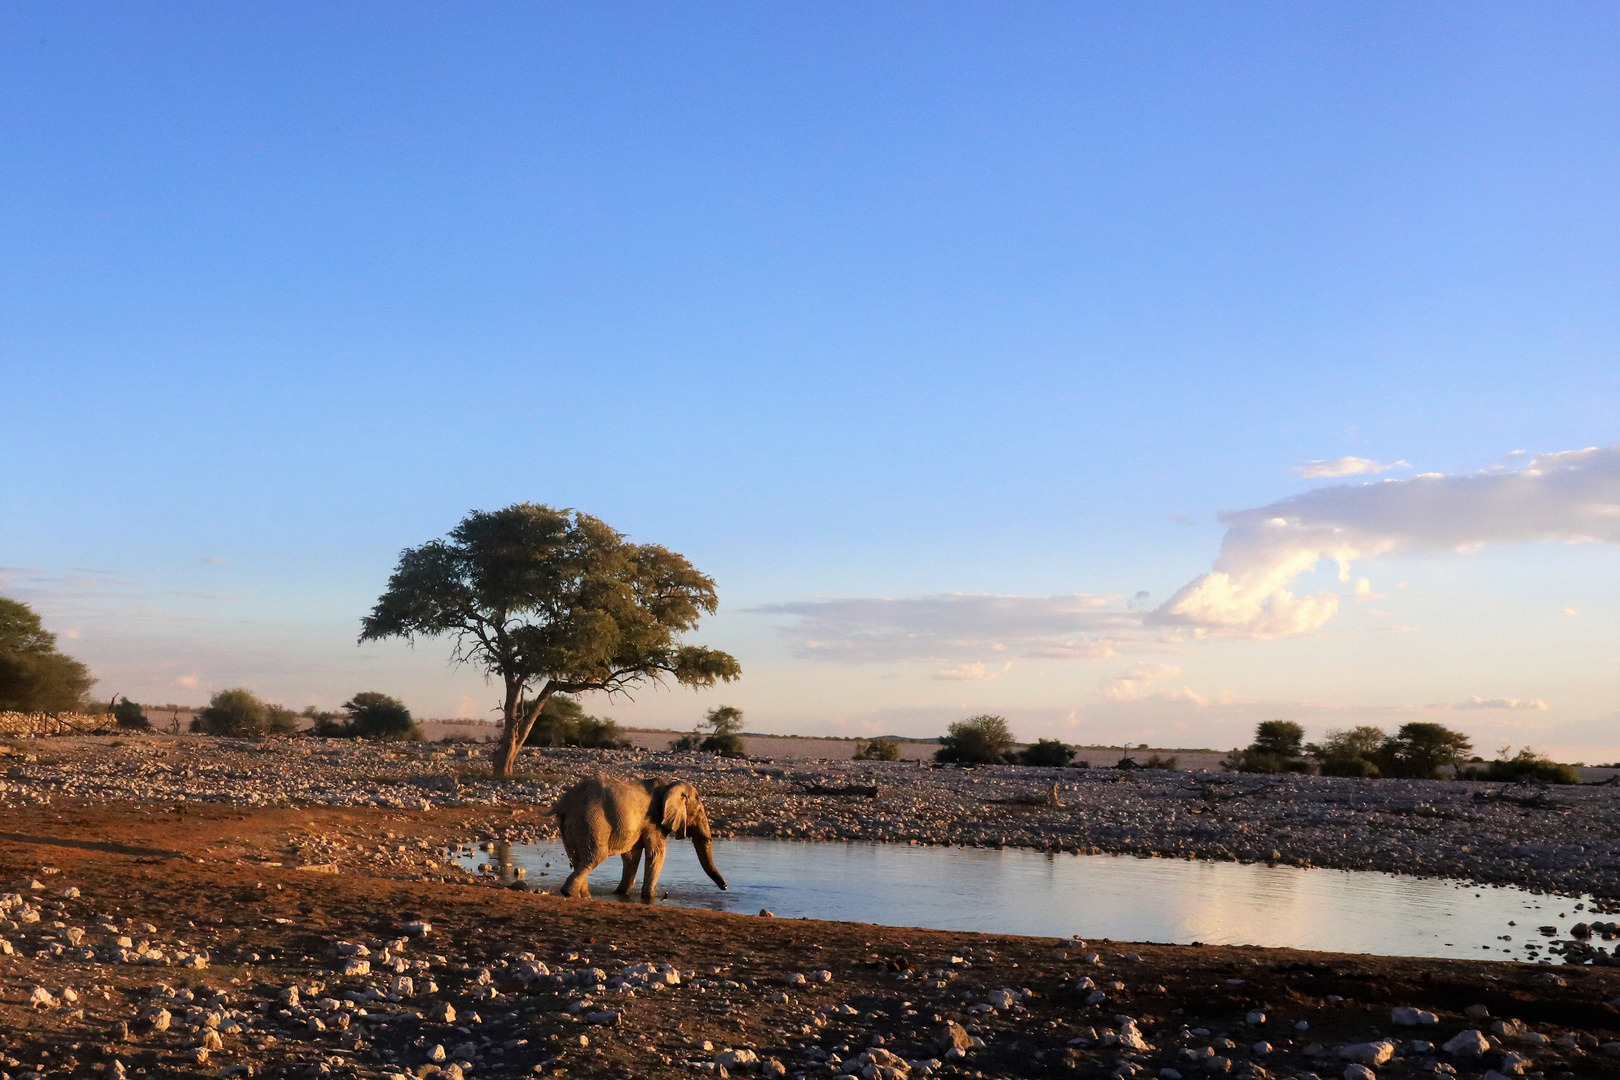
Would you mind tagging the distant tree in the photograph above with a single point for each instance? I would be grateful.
(1052, 753)
(719, 732)
(877, 750)
(130, 716)
(563, 722)
(374, 715)
(1352, 752)
(552, 601)
(34, 676)
(1276, 748)
(978, 740)
(1282, 738)
(1422, 750)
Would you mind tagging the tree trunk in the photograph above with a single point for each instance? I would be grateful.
(515, 727)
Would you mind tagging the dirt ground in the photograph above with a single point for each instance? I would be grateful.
(236, 890)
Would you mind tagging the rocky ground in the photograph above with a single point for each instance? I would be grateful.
(216, 938)
(1564, 840)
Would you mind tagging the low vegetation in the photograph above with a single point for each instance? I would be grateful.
(978, 740)
(1526, 765)
(719, 732)
(1418, 750)
(241, 712)
(1050, 753)
(877, 750)
(368, 715)
(564, 722)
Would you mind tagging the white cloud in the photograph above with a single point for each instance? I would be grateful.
(1569, 611)
(187, 681)
(212, 560)
(1571, 497)
(1131, 685)
(966, 672)
(1345, 466)
(959, 627)
(1513, 703)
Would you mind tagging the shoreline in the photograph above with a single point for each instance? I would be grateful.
(1569, 844)
(218, 940)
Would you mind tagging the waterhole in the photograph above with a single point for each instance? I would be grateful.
(1099, 896)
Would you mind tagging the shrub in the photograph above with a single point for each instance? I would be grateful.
(1154, 761)
(719, 732)
(1528, 765)
(877, 750)
(234, 712)
(1051, 753)
(978, 740)
(377, 716)
(130, 716)
(563, 722)
(1349, 753)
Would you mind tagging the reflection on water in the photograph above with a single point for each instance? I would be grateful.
(1103, 896)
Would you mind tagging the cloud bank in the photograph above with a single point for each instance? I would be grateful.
(1572, 497)
(962, 628)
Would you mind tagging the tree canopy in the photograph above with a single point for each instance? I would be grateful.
(552, 601)
(978, 740)
(34, 677)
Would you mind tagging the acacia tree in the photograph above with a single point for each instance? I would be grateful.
(34, 677)
(551, 602)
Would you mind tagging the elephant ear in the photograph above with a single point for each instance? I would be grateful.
(674, 818)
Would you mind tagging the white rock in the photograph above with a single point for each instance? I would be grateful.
(1470, 1043)
(41, 998)
(1409, 1017)
(1359, 1072)
(1368, 1053)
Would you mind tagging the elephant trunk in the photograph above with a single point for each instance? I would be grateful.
(705, 853)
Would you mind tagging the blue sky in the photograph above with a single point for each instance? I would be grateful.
(855, 305)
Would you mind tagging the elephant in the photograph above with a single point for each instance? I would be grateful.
(602, 817)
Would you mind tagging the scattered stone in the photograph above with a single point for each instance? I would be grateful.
(1470, 1043)
(1368, 1053)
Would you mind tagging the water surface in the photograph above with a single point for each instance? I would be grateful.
(1091, 896)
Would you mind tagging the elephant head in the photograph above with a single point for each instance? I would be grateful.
(679, 811)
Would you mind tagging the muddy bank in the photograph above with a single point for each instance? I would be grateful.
(194, 944)
(1567, 841)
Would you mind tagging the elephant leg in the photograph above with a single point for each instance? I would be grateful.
(631, 858)
(578, 883)
(655, 864)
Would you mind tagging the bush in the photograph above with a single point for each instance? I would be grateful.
(719, 732)
(34, 677)
(1422, 750)
(369, 715)
(1154, 761)
(130, 716)
(877, 750)
(978, 740)
(1050, 753)
(233, 712)
(1357, 767)
(378, 716)
(1528, 765)
(1351, 753)
(563, 722)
